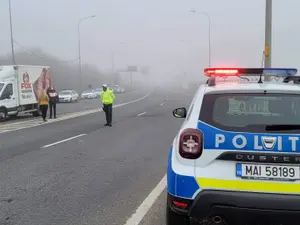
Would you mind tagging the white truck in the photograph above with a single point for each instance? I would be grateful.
(20, 86)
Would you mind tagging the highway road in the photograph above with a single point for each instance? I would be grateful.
(76, 171)
(65, 110)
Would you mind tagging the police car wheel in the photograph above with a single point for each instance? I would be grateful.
(173, 218)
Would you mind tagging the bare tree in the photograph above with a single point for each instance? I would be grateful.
(65, 74)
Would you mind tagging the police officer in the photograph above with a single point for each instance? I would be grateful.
(53, 99)
(107, 97)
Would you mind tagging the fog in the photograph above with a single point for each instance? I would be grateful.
(65, 74)
(164, 35)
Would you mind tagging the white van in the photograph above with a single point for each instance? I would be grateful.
(19, 88)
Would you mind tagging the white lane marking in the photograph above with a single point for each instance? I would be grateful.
(64, 140)
(143, 113)
(162, 104)
(133, 101)
(15, 123)
(4, 131)
(142, 210)
(64, 117)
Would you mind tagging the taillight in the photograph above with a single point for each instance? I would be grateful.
(180, 205)
(191, 143)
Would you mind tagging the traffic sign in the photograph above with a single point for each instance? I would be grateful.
(132, 69)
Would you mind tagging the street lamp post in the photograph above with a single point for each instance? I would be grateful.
(113, 64)
(268, 35)
(186, 63)
(113, 57)
(11, 33)
(79, 47)
(113, 61)
(209, 34)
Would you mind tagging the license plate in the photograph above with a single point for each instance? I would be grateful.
(267, 172)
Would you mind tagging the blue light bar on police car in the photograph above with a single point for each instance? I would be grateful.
(219, 72)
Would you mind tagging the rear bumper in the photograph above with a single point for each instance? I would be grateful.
(242, 207)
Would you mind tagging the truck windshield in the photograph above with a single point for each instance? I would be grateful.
(1, 86)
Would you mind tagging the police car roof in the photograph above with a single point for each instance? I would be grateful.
(253, 87)
(247, 80)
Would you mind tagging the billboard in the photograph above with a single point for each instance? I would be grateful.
(132, 69)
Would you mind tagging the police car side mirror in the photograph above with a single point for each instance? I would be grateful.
(180, 112)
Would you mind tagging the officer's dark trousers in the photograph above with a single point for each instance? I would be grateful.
(52, 107)
(107, 108)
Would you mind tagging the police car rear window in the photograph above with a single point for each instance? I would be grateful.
(250, 112)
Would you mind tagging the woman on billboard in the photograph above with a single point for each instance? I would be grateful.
(43, 83)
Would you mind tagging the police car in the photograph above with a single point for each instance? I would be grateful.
(236, 158)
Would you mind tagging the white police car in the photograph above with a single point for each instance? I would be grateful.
(236, 158)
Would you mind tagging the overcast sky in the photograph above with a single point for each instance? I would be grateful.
(159, 33)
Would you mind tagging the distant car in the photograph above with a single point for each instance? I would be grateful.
(68, 96)
(88, 94)
(98, 91)
(116, 88)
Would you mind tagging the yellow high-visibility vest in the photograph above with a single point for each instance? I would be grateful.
(107, 96)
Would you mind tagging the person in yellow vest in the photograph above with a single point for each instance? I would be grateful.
(43, 102)
(107, 97)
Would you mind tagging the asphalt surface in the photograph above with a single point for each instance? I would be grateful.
(76, 171)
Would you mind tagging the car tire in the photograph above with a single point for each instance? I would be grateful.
(14, 115)
(3, 114)
(173, 218)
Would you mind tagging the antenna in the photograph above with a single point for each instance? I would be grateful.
(262, 66)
